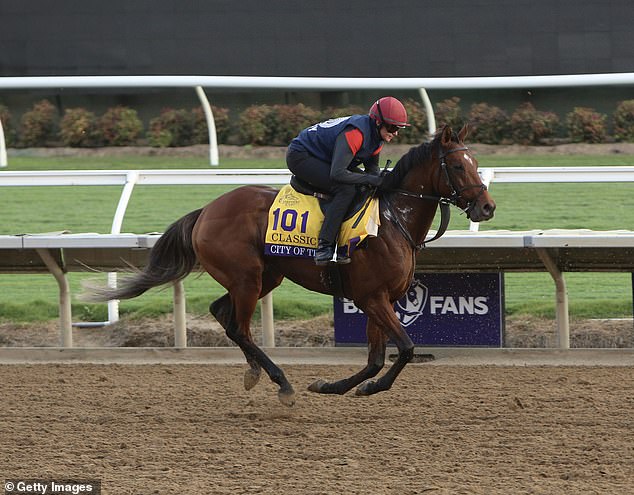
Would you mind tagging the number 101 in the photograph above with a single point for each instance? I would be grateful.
(287, 220)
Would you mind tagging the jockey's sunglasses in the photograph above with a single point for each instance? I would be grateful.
(391, 128)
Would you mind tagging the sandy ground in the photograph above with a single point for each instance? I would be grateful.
(164, 429)
(167, 429)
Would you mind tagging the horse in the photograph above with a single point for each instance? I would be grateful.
(226, 238)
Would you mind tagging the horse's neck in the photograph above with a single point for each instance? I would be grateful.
(416, 214)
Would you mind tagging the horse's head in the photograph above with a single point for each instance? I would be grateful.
(458, 178)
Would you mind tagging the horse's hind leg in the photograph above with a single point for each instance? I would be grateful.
(234, 311)
(222, 310)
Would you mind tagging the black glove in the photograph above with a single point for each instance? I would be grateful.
(375, 180)
(386, 169)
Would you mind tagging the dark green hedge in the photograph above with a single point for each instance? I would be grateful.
(277, 124)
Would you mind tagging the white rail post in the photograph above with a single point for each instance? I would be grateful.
(429, 111)
(65, 314)
(268, 327)
(117, 221)
(211, 126)
(561, 299)
(180, 325)
(3, 147)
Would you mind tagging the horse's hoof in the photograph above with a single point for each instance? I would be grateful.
(287, 397)
(251, 378)
(317, 386)
(366, 388)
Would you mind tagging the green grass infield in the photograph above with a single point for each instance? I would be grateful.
(598, 206)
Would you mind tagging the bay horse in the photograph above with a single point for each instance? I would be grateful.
(226, 238)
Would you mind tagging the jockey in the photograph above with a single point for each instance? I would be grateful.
(327, 155)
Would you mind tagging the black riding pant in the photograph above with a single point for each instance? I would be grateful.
(317, 173)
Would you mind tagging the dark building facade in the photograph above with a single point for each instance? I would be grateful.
(417, 38)
(355, 38)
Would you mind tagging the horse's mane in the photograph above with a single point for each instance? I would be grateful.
(415, 156)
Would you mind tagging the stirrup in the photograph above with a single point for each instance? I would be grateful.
(342, 259)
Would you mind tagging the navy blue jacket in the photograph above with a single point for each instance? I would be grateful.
(345, 143)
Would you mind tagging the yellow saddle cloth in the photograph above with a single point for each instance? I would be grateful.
(295, 220)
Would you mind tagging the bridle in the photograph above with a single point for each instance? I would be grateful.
(443, 202)
(455, 192)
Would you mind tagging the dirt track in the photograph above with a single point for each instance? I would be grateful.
(193, 429)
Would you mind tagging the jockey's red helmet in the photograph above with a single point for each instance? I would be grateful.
(388, 110)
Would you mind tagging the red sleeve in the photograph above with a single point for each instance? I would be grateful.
(354, 138)
(378, 150)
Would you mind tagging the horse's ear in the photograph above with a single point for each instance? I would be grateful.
(464, 132)
(445, 138)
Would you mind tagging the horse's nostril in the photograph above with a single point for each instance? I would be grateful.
(488, 209)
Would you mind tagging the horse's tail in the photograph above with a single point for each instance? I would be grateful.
(171, 259)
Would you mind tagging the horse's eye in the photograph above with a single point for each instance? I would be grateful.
(458, 166)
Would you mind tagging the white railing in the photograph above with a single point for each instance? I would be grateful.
(316, 83)
(240, 176)
(307, 83)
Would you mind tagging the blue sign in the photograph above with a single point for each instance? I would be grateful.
(439, 309)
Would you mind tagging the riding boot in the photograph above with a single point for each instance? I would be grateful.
(343, 195)
(324, 252)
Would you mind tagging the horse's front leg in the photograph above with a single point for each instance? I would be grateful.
(394, 331)
(376, 359)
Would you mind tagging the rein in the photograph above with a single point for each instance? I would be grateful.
(443, 203)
